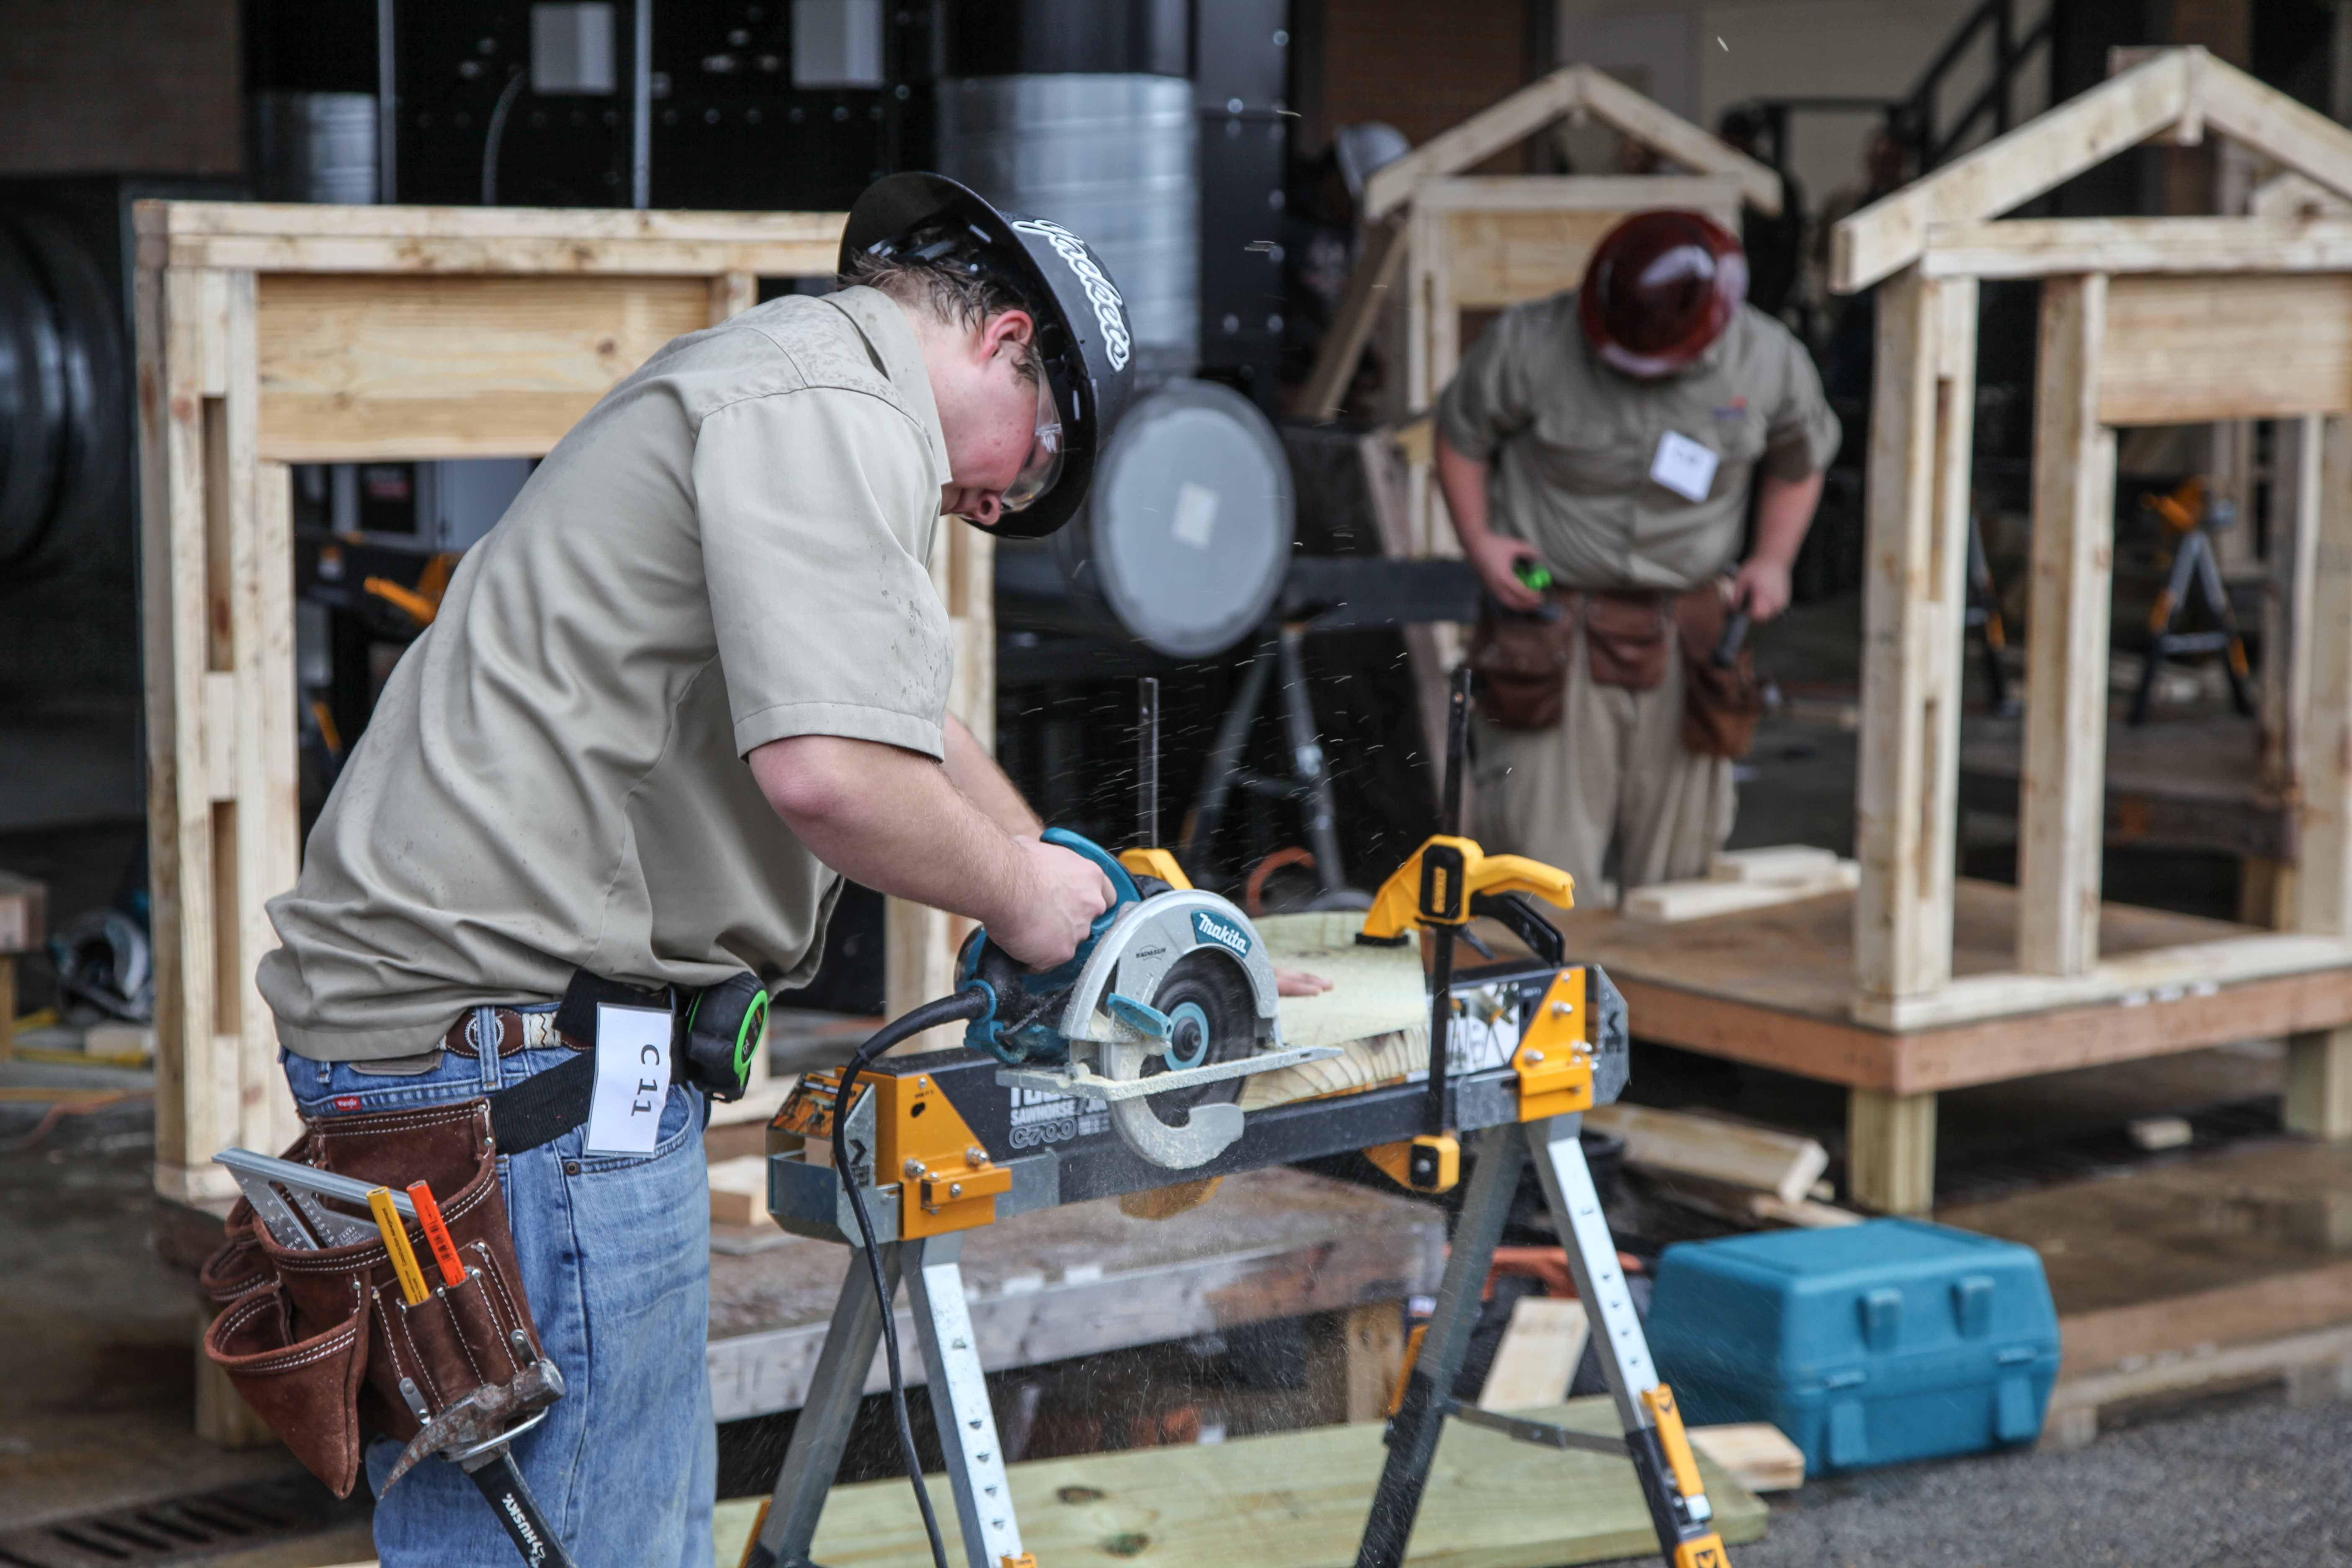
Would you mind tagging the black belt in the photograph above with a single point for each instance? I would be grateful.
(546, 1105)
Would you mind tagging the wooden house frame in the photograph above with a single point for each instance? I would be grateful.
(2144, 321)
(272, 336)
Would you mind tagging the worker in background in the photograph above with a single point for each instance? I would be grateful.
(1597, 452)
(696, 676)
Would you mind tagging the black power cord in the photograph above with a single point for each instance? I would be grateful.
(966, 1004)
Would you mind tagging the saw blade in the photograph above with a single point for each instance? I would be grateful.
(1212, 1017)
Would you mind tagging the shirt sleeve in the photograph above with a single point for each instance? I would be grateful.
(1487, 401)
(827, 622)
(1801, 432)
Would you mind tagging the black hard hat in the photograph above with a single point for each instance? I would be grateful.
(1085, 343)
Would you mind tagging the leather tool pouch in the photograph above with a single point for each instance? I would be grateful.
(1520, 661)
(318, 1342)
(1721, 705)
(1625, 639)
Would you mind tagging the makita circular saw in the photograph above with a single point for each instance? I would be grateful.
(1167, 1006)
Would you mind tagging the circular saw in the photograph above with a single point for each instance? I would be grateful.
(1167, 1006)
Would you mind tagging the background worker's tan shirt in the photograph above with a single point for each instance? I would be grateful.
(729, 550)
(1571, 443)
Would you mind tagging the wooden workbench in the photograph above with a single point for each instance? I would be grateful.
(1084, 1279)
(1773, 987)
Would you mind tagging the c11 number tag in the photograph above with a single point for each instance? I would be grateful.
(632, 1080)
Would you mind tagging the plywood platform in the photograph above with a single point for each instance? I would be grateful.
(1772, 987)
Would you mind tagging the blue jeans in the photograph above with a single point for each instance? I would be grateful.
(615, 1255)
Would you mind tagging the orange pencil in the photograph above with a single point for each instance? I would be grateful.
(436, 1233)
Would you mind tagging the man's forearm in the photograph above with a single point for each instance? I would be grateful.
(1784, 511)
(892, 819)
(971, 770)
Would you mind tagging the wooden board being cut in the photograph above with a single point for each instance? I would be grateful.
(1296, 1498)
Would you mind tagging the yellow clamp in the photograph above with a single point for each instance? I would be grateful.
(1659, 1400)
(1435, 886)
(1158, 863)
(1554, 1060)
(1429, 1164)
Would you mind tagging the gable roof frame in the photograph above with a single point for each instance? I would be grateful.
(2178, 94)
(1572, 91)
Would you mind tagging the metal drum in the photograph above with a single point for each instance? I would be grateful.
(1185, 536)
(315, 146)
(1111, 158)
(65, 401)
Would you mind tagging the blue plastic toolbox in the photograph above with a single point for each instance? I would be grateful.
(1868, 1344)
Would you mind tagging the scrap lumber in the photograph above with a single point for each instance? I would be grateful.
(1757, 1158)
(1773, 863)
(1702, 897)
(739, 1190)
(1757, 1452)
(1537, 1359)
(1299, 1499)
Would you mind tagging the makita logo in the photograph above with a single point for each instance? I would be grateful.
(1233, 939)
(1110, 310)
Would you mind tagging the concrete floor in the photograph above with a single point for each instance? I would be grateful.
(2256, 1485)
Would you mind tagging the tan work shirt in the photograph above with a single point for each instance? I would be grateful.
(1572, 443)
(729, 550)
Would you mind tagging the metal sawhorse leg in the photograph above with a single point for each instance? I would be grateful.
(933, 1272)
(1654, 1437)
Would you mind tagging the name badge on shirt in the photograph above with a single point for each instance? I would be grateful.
(1684, 465)
(632, 1080)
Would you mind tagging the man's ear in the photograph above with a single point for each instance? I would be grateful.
(1007, 326)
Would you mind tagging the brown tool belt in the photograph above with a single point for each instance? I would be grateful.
(1522, 659)
(324, 1344)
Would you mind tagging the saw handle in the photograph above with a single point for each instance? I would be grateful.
(1017, 989)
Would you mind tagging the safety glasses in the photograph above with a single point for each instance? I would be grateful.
(1044, 465)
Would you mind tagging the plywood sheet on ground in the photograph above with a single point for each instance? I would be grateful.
(1297, 1499)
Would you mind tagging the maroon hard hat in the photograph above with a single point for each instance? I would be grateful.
(1660, 288)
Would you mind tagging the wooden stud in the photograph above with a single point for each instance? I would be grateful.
(535, 241)
(2319, 1084)
(731, 294)
(2259, 116)
(1890, 1154)
(2287, 608)
(2046, 247)
(1905, 814)
(2062, 805)
(2323, 725)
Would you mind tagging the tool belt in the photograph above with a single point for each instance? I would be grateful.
(323, 1344)
(1522, 658)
